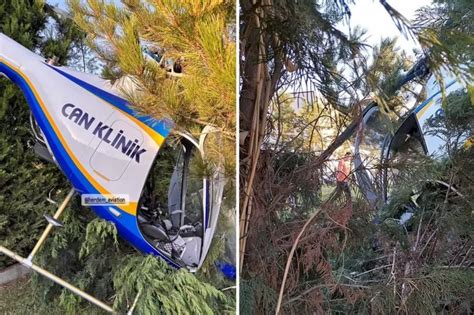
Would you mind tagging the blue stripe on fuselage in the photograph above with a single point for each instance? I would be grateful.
(420, 107)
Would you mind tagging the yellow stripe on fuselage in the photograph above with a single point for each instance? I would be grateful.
(423, 110)
(131, 208)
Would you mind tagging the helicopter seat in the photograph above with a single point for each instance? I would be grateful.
(176, 216)
(154, 230)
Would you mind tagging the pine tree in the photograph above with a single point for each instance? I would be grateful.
(198, 37)
(343, 261)
(444, 30)
(25, 180)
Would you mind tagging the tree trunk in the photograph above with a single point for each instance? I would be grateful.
(258, 88)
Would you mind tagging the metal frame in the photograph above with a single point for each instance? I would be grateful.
(28, 262)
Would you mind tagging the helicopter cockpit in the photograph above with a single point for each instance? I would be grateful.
(171, 209)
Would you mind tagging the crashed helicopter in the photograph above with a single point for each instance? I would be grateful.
(109, 153)
(421, 131)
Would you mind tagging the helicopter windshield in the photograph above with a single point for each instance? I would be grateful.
(406, 149)
(170, 211)
(371, 135)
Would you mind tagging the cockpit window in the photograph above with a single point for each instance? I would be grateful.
(171, 206)
(407, 151)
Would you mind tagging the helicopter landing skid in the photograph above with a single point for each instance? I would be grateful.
(28, 262)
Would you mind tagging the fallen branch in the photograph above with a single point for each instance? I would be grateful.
(290, 257)
(368, 271)
(320, 286)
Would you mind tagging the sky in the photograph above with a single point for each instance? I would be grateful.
(371, 15)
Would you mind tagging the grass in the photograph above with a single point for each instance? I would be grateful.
(15, 298)
(18, 299)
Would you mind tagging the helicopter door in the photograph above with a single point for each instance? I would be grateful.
(368, 147)
(171, 209)
(213, 190)
(179, 208)
(185, 203)
(405, 148)
(176, 189)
